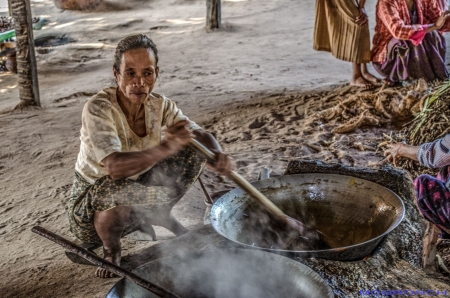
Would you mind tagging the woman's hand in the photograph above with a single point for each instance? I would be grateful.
(177, 136)
(398, 150)
(362, 18)
(222, 164)
(393, 152)
(441, 20)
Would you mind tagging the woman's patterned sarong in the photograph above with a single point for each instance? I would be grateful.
(433, 199)
(408, 62)
(163, 185)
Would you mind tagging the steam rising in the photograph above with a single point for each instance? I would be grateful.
(237, 273)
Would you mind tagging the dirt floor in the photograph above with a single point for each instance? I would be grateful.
(256, 83)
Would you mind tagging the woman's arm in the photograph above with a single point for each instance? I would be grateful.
(440, 22)
(121, 165)
(388, 12)
(433, 12)
(223, 163)
(435, 154)
(395, 151)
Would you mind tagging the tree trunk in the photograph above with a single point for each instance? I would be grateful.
(213, 13)
(26, 59)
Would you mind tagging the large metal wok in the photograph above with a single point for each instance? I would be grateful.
(353, 214)
(237, 273)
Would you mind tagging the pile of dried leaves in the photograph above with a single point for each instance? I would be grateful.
(376, 108)
(430, 123)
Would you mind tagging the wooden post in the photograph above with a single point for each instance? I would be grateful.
(9, 8)
(26, 58)
(213, 14)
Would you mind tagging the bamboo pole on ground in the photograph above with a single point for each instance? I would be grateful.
(26, 58)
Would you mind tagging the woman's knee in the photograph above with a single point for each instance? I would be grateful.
(118, 215)
(422, 180)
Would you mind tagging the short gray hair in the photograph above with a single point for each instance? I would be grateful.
(137, 41)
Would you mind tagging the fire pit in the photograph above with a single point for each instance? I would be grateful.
(353, 214)
(237, 273)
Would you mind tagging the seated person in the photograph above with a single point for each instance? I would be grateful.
(407, 44)
(125, 167)
(432, 193)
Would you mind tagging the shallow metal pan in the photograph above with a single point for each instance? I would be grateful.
(237, 273)
(354, 213)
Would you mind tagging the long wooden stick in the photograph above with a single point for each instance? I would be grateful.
(239, 180)
(209, 200)
(96, 260)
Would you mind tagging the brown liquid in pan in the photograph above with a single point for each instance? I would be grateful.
(259, 230)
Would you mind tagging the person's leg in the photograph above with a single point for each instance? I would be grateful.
(177, 173)
(433, 200)
(358, 79)
(100, 212)
(431, 58)
(407, 62)
(367, 75)
(397, 67)
(444, 175)
(109, 226)
(159, 216)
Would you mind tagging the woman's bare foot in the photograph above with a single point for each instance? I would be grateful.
(371, 78)
(112, 255)
(388, 83)
(161, 217)
(361, 82)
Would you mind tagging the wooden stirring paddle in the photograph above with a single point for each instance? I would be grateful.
(294, 230)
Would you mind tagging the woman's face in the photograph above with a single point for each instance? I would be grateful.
(138, 73)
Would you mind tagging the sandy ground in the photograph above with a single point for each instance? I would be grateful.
(256, 83)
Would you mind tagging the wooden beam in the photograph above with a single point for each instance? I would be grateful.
(9, 8)
(26, 58)
(213, 14)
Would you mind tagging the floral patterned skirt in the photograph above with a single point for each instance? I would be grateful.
(433, 199)
(163, 185)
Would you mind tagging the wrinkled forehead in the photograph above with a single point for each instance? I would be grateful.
(138, 58)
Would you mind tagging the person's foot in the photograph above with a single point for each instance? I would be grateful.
(113, 256)
(388, 83)
(371, 78)
(361, 82)
(162, 217)
(173, 225)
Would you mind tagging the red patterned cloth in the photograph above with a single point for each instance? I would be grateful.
(443, 4)
(393, 21)
(433, 194)
(433, 199)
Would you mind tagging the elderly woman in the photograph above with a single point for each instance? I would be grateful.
(407, 44)
(126, 169)
(432, 193)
